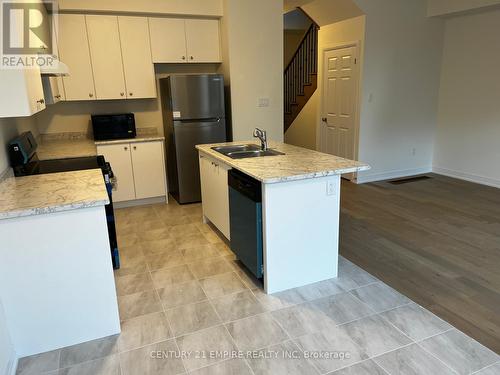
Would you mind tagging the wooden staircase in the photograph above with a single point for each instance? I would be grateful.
(301, 75)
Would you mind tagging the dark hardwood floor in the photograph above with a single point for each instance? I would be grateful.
(437, 241)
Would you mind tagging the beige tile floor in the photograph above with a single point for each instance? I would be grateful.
(186, 304)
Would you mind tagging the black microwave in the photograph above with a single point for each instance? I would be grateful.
(118, 126)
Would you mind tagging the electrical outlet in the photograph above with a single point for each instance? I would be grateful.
(263, 102)
(330, 188)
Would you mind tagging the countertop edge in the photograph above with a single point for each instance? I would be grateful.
(305, 176)
(129, 140)
(52, 209)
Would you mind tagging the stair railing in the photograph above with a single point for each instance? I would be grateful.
(303, 63)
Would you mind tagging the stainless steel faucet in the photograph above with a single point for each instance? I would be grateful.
(262, 135)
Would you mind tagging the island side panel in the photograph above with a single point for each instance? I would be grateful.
(56, 279)
(301, 232)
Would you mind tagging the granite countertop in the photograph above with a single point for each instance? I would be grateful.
(297, 164)
(53, 192)
(146, 138)
(65, 148)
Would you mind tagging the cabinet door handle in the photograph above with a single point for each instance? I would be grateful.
(125, 148)
(135, 147)
(41, 101)
(90, 95)
(184, 57)
(122, 94)
(130, 94)
(191, 57)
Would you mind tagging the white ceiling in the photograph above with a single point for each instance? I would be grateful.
(325, 12)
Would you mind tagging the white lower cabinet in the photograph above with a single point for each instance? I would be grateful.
(149, 169)
(139, 168)
(215, 193)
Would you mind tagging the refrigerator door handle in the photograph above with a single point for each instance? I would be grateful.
(212, 119)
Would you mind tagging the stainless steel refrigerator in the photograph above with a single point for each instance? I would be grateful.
(193, 113)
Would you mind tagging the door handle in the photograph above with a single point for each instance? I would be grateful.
(324, 119)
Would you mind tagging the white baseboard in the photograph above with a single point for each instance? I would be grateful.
(140, 202)
(365, 178)
(467, 176)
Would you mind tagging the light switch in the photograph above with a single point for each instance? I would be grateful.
(263, 102)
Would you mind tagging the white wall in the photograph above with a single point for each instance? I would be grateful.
(75, 116)
(254, 45)
(183, 7)
(302, 131)
(468, 133)
(9, 128)
(7, 353)
(402, 62)
(445, 7)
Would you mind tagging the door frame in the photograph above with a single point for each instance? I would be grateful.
(323, 50)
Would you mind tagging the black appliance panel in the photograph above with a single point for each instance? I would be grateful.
(117, 126)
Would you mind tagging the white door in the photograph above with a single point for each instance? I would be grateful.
(168, 40)
(136, 51)
(119, 157)
(106, 56)
(149, 169)
(202, 40)
(74, 52)
(340, 82)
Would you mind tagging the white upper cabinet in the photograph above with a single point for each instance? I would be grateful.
(74, 52)
(51, 90)
(202, 40)
(106, 56)
(57, 82)
(136, 52)
(168, 40)
(22, 93)
(179, 41)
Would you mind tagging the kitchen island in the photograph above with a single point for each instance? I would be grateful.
(56, 274)
(300, 209)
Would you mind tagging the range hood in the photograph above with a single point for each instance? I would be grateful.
(58, 69)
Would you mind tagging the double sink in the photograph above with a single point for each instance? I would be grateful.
(245, 151)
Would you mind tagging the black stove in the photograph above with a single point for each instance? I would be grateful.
(25, 162)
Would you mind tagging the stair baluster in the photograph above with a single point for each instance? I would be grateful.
(300, 76)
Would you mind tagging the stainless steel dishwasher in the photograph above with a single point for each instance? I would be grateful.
(245, 211)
